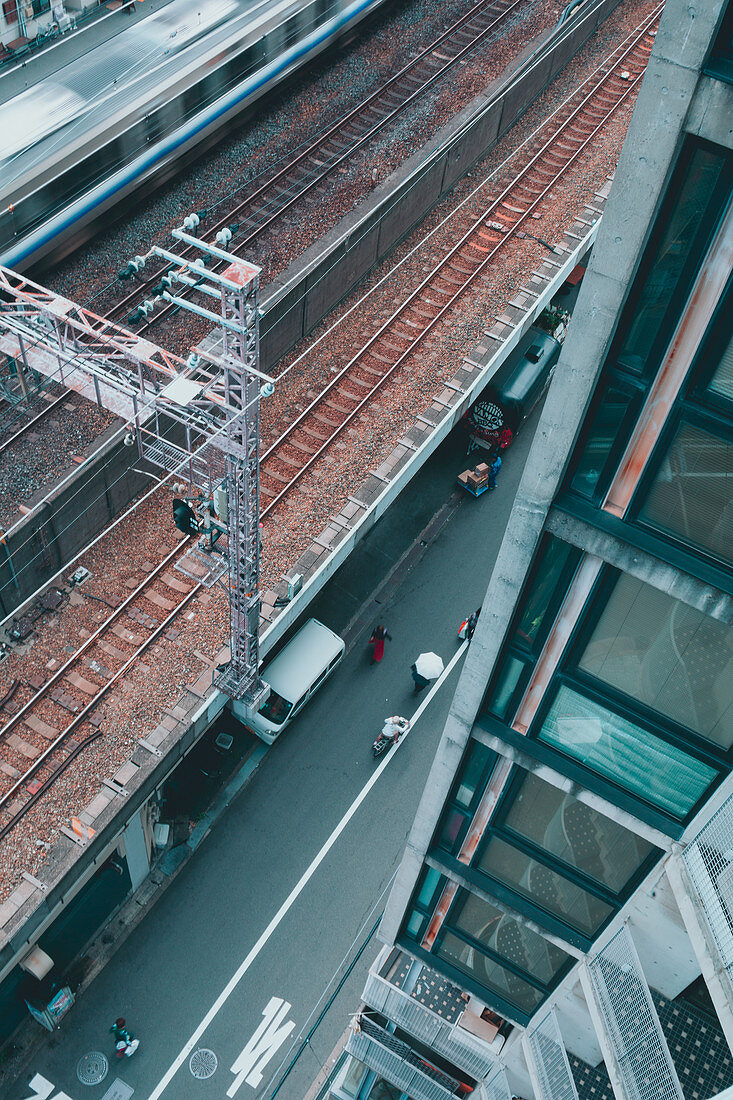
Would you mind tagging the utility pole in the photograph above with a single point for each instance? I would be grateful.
(239, 364)
(213, 396)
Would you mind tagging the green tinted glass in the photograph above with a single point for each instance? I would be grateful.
(625, 753)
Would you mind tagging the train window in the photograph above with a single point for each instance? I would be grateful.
(321, 9)
(248, 61)
(290, 32)
(10, 11)
(274, 42)
(211, 86)
(192, 99)
(154, 125)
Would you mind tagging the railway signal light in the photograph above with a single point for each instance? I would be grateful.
(184, 517)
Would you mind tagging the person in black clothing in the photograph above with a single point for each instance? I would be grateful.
(471, 623)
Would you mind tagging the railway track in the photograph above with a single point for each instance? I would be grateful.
(277, 190)
(280, 190)
(19, 433)
(304, 442)
(70, 701)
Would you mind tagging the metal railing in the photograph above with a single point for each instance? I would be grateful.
(395, 1061)
(709, 862)
(468, 1052)
(548, 1057)
(496, 1086)
(630, 1022)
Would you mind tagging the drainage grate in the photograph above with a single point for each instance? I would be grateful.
(203, 1063)
(92, 1068)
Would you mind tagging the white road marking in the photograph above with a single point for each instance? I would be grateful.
(43, 1088)
(268, 1037)
(297, 890)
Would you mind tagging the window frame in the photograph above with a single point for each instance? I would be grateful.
(449, 865)
(526, 655)
(699, 247)
(563, 680)
(573, 676)
(449, 928)
(617, 373)
(451, 804)
(416, 906)
(636, 391)
(685, 411)
(707, 357)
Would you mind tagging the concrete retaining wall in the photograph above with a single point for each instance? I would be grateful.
(67, 520)
(299, 299)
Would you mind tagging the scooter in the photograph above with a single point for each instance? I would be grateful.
(126, 1050)
(392, 730)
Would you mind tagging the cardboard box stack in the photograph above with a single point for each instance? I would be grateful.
(477, 478)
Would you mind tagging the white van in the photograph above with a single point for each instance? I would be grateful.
(293, 677)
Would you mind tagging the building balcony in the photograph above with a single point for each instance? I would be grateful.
(397, 1063)
(453, 1035)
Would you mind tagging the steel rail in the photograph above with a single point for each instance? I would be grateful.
(58, 743)
(12, 722)
(271, 452)
(322, 139)
(6, 443)
(333, 383)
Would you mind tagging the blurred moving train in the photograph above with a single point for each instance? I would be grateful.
(128, 112)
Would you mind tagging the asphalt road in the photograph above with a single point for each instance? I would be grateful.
(218, 947)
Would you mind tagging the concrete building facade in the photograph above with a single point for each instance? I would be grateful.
(562, 922)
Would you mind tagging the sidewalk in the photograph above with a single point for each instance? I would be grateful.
(93, 28)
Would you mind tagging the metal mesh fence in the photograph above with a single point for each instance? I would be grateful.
(496, 1086)
(709, 862)
(391, 1065)
(460, 1047)
(547, 1052)
(631, 1023)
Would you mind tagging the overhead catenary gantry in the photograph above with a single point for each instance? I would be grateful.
(197, 418)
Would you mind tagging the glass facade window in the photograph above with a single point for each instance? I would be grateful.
(468, 787)
(544, 887)
(507, 691)
(508, 938)
(721, 384)
(559, 854)
(551, 575)
(666, 655)
(349, 1085)
(625, 753)
(549, 584)
(430, 886)
(602, 440)
(489, 974)
(500, 952)
(576, 834)
(681, 232)
(691, 495)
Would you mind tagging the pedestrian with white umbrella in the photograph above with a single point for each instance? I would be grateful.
(427, 667)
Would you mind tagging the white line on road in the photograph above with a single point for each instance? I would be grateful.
(296, 891)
